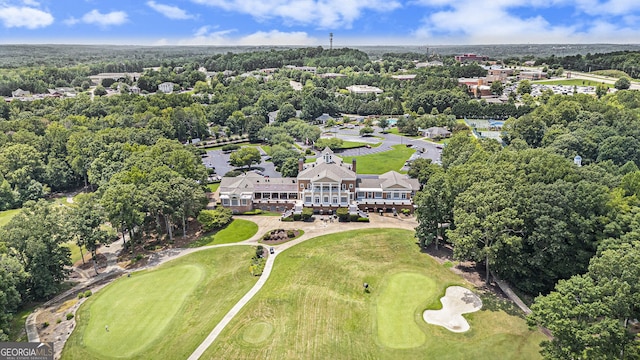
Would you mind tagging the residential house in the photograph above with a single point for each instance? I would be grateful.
(437, 133)
(166, 87)
(20, 93)
(466, 58)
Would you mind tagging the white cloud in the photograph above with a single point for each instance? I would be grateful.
(172, 12)
(28, 17)
(475, 22)
(31, 3)
(203, 36)
(96, 17)
(320, 13)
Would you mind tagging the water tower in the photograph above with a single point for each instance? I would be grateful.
(330, 41)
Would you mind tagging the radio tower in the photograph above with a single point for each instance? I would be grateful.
(330, 41)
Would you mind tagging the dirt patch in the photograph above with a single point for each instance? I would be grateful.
(471, 271)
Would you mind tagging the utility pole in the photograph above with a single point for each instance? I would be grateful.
(330, 41)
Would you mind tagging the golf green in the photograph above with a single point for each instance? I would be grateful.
(162, 313)
(152, 298)
(401, 298)
(316, 304)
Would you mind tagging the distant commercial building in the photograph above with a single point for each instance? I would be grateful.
(465, 58)
(532, 75)
(364, 89)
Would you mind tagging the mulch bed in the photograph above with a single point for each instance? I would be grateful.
(280, 236)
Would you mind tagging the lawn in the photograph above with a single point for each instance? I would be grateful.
(75, 252)
(7, 215)
(163, 313)
(394, 130)
(314, 306)
(238, 230)
(213, 187)
(356, 144)
(572, 82)
(382, 162)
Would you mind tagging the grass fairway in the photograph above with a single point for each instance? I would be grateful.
(382, 162)
(7, 215)
(401, 296)
(238, 230)
(152, 298)
(315, 303)
(163, 313)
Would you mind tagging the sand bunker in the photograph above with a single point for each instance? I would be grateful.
(456, 301)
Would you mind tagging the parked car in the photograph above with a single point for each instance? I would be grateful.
(368, 146)
(272, 250)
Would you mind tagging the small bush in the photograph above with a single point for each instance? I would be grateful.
(87, 293)
(230, 147)
(69, 316)
(259, 251)
(290, 218)
(297, 217)
(307, 213)
(291, 234)
(266, 236)
(405, 211)
(45, 324)
(58, 321)
(354, 217)
(343, 214)
(363, 219)
(233, 173)
(80, 296)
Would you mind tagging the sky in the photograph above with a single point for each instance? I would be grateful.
(309, 22)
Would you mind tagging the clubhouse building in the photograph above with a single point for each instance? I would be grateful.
(325, 185)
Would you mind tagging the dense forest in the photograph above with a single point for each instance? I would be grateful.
(524, 209)
(546, 224)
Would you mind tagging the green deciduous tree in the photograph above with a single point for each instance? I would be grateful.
(486, 221)
(434, 209)
(85, 225)
(589, 315)
(36, 235)
(246, 156)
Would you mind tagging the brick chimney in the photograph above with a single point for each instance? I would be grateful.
(353, 164)
(300, 164)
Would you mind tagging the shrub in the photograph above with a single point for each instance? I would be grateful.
(214, 219)
(343, 214)
(405, 211)
(307, 213)
(354, 217)
(230, 147)
(69, 316)
(233, 173)
(45, 324)
(297, 217)
(363, 219)
(290, 218)
(80, 295)
(291, 234)
(259, 251)
(89, 293)
(266, 236)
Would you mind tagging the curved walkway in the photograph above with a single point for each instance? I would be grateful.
(265, 223)
(314, 229)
